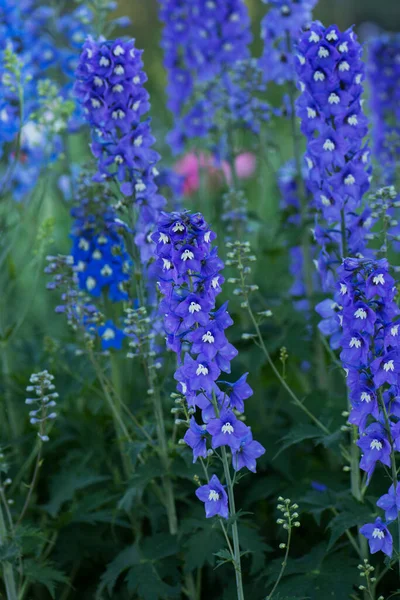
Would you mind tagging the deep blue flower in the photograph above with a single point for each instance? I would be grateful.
(247, 453)
(378, 536)
(215, 498)
(227, 430)
(111, 336)
(390, 503)
(196, 438)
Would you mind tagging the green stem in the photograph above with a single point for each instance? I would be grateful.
(295, 399)
(235, 532)
(392, 461)
(8, 573)
(284, 564)
(10, 405)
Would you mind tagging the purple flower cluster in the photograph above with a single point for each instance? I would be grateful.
(384, 77)
(109, 85)
(330, 74)
(280, 29)
(201, 40)
(370, 343)
(189, 273)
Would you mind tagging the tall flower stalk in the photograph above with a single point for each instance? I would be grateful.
(188, 268)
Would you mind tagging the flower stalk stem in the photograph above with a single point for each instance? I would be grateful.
(8, 572)
(235, 531)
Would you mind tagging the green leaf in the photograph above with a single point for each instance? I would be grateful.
(144, 580)
(124, 560)
(159, 546)
(9, 552)
(65, 484)
(201, 546)
(252, 542)
(354, 514)
(298, 434)
(44, 573)
(224, 556)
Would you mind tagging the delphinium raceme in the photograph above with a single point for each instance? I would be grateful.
(201, 40)
(280, 29)
(369, 342)
(189, 273)
(383, 69)
(330, 74)
(109, 84)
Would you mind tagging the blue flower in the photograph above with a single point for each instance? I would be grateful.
(111, 336)
(227, 430)
(196, 438)
(215, 498)
(247, 453)
(378, 536)
(390, 503)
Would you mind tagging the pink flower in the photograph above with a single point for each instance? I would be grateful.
(189, 167)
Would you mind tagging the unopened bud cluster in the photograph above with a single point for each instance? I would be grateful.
(138, 329)
(45, 400)
(366, 571)
(240, 256)
(289, 517)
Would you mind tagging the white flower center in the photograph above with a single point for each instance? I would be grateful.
(378, 533)
(106, 271)
(227, 428)
(360, 313)
(353, 120)
(83, 244)
(90, 283)
(365, 397)
(201, 370)
(329, 145)
(163, 238)
(379, 279)
(388, 366)
(215, 282)
(332, 36)
(311, 113)
(325, 201)
(358, 78)
(350, 179)
(313, 37)
(333, 98)
(319, 76)
(343, 47)
(207, 236)
(95, 103)
(355, 343)
(213, 495)
(97, 255)
(323, 52)
(118, 159)
(118, 50)
(344, 66)
(138, 141)
(109, 334)
(208, 337)
(166, 264)
(187, 255)
(394, 330)
(375, 445)
(178, 227)
(194, 307)
(119, 70)
(104, 62)
(343, 289)
(98, 82)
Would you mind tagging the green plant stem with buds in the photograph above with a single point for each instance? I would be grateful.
(8, 572)
(232, 511)
(392, 462)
